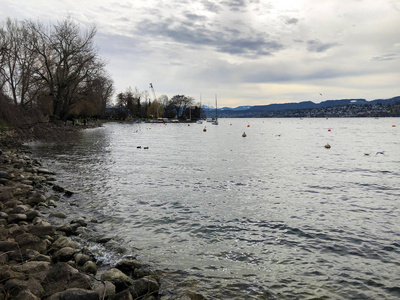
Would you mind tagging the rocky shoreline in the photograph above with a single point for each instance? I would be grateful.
(40, 260)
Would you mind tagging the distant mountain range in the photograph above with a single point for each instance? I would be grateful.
(257, 109)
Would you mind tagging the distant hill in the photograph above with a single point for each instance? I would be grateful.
(258, 110)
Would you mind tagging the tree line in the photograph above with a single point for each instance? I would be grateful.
(138, 105)
(53, 68)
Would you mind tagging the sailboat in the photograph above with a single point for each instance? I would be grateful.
(215, 121)
(200, 121)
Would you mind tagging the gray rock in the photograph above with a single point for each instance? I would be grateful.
(31, 214)
(66, 228)
(75, 294)
(30, 241)
(58, 188)
(62, 276)
(118, 278)
(6, 273)
(15, 286)
(62, 242)
(81, 222)
(3, 259)
(42, 230)
(144, 286)
(124, 295)
(105, 289)
(63, 255)
(7, 246)
(45, 171)
(35, 269)
(23, 255)
(15, 218)
(26, 295)
(89, 268)
(129, 266)
(4, 174)
(81, 259)
(59, 215)
(36, 199)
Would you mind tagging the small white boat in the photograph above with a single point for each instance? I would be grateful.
(215, 121)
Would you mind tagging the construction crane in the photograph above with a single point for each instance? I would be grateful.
(154, 93)
(155, 98)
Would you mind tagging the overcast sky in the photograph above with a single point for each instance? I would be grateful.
(248, 52)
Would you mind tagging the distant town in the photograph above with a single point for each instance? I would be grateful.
(330, 108)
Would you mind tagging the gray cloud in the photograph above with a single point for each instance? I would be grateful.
(211, 6)
(227, 41)
(385, 57)
(291, 21)
(318, 46)
(235, 5)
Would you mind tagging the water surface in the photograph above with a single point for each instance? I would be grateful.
(274, 215)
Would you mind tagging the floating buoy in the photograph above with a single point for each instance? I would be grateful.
(205, 129)
(327, 146)
(329, 130)
(393, 125)
(188, 124)
(244, 134)
(248, 125)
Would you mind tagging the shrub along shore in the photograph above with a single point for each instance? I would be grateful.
(39, 260)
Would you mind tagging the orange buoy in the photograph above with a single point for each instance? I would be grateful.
(188, 124)
(205, 129)
(393, 125)
(329, 130)
(248, 125)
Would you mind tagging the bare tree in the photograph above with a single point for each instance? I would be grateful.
(16, 62)
(66, 61)
(180, 103)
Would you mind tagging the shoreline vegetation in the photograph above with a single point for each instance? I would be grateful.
(41, 260)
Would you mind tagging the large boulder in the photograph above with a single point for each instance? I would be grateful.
(42, 230)
(128, 266)
(7, 246)
(36, 199)
(144, 286)
(105, 289)
(89, 267)
(4, 174)
(64, 254)
(36, 269)
(26, 295)
(30, 241)
(62, 242)
(23, 255)
(6, 273)
(62, 276)
(124, 295)
(75, 294)
(14, 286)
(118, 278)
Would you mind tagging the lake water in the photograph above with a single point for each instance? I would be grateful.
(274, 215)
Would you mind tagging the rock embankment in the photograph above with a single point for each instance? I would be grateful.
(39, 260)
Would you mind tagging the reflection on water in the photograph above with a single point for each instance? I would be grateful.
(271, 215)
